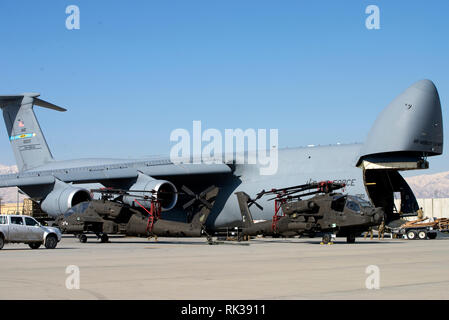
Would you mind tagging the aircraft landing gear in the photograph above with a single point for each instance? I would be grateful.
(82, 238)
(103, 237)
(210, 241)
(350, 238)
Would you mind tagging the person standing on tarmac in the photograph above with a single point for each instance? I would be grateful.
(420, 213)
(381, 230)
(370, 231)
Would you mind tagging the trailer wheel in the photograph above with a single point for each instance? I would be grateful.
(422, 235)
(412, 235)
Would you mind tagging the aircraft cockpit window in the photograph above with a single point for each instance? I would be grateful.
(82, 207)
(69, 212)
(338, 204)
(353, 206)
(79, 208)
(361, 202)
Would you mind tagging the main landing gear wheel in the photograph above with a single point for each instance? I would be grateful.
(350, 238)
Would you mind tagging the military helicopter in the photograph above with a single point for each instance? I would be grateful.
(111, 216)
(327, 212)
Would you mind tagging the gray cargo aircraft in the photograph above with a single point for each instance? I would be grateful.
(405, 134)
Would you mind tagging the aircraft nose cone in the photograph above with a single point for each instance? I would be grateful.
(427, 86)
(411, 123)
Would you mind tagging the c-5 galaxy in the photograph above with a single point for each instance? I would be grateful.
(327, 212)
(406, 133)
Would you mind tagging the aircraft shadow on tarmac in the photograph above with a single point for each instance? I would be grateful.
(94, 240)
(343, 242)
(318, 241)
(147, 242)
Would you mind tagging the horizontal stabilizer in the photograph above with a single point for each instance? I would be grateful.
(37, 101)
(45, 104)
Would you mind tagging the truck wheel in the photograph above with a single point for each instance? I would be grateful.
(35, 245)
(422, 235)
(2, 242)
(51, 241)
(412, 235)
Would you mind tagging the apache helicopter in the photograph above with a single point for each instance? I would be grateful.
(326, 212)
(111, 215)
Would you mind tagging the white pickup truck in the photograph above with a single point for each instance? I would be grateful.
(25, 229)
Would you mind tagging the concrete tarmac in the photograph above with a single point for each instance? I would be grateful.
(136, 268)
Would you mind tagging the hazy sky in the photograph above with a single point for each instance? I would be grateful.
(136, 70)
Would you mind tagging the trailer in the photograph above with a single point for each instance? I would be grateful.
(422, 229)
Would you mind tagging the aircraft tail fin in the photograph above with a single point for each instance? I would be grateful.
(27, 140)
(200, 218)
(247, 217)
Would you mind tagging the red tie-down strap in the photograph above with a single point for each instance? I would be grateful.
(277, 215)
(153, 214)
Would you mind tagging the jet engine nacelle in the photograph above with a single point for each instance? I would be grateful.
(164, 191)
(63, 197)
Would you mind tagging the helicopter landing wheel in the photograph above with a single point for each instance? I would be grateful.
(83, 238)
(104, 238)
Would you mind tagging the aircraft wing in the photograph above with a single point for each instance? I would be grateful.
(125, 170)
